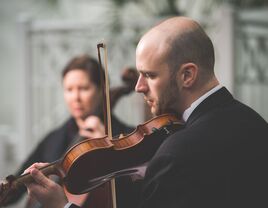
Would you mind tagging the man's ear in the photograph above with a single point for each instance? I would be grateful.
(187, 74)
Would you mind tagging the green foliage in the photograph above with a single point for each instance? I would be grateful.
(52, 1)
(122, 2)
(246, 3)
(169, 8)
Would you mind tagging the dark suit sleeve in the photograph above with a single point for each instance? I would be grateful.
(168, 178)
(160, 183)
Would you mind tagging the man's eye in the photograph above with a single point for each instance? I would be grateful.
(149, 75)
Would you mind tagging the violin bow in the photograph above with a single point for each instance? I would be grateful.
(107, 107)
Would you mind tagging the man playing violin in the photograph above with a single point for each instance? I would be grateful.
(219, 158)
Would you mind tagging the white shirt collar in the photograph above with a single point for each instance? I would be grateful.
(186, 114)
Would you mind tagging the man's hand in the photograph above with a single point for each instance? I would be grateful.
(44, 190)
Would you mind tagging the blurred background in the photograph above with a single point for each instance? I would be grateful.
(38, 37)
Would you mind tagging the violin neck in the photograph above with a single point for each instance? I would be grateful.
(51, 169)
(10, 184)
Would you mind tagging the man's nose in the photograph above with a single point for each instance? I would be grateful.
(141, 85)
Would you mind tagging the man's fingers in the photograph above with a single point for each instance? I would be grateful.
(36, 166)
(33, 188)
(40, 178)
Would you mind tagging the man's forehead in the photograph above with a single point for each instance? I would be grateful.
(154, 45)
(152, 68)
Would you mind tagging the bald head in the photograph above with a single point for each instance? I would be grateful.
(175, 60)
(180, 40)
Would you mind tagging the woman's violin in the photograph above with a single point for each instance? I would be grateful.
(104, 158)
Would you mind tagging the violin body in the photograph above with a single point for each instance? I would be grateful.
(93, 162)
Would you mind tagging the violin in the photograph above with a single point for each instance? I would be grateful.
(125, 155)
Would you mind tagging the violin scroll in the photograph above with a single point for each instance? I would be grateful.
(129, 77)
(7, 188)
(9, 185)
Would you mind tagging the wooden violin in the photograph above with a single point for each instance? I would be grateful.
(104, 158)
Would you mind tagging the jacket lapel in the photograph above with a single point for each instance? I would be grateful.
(219, 98)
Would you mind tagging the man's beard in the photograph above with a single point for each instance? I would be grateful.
(168, 101)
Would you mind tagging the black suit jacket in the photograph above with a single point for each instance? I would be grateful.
(218, 160)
